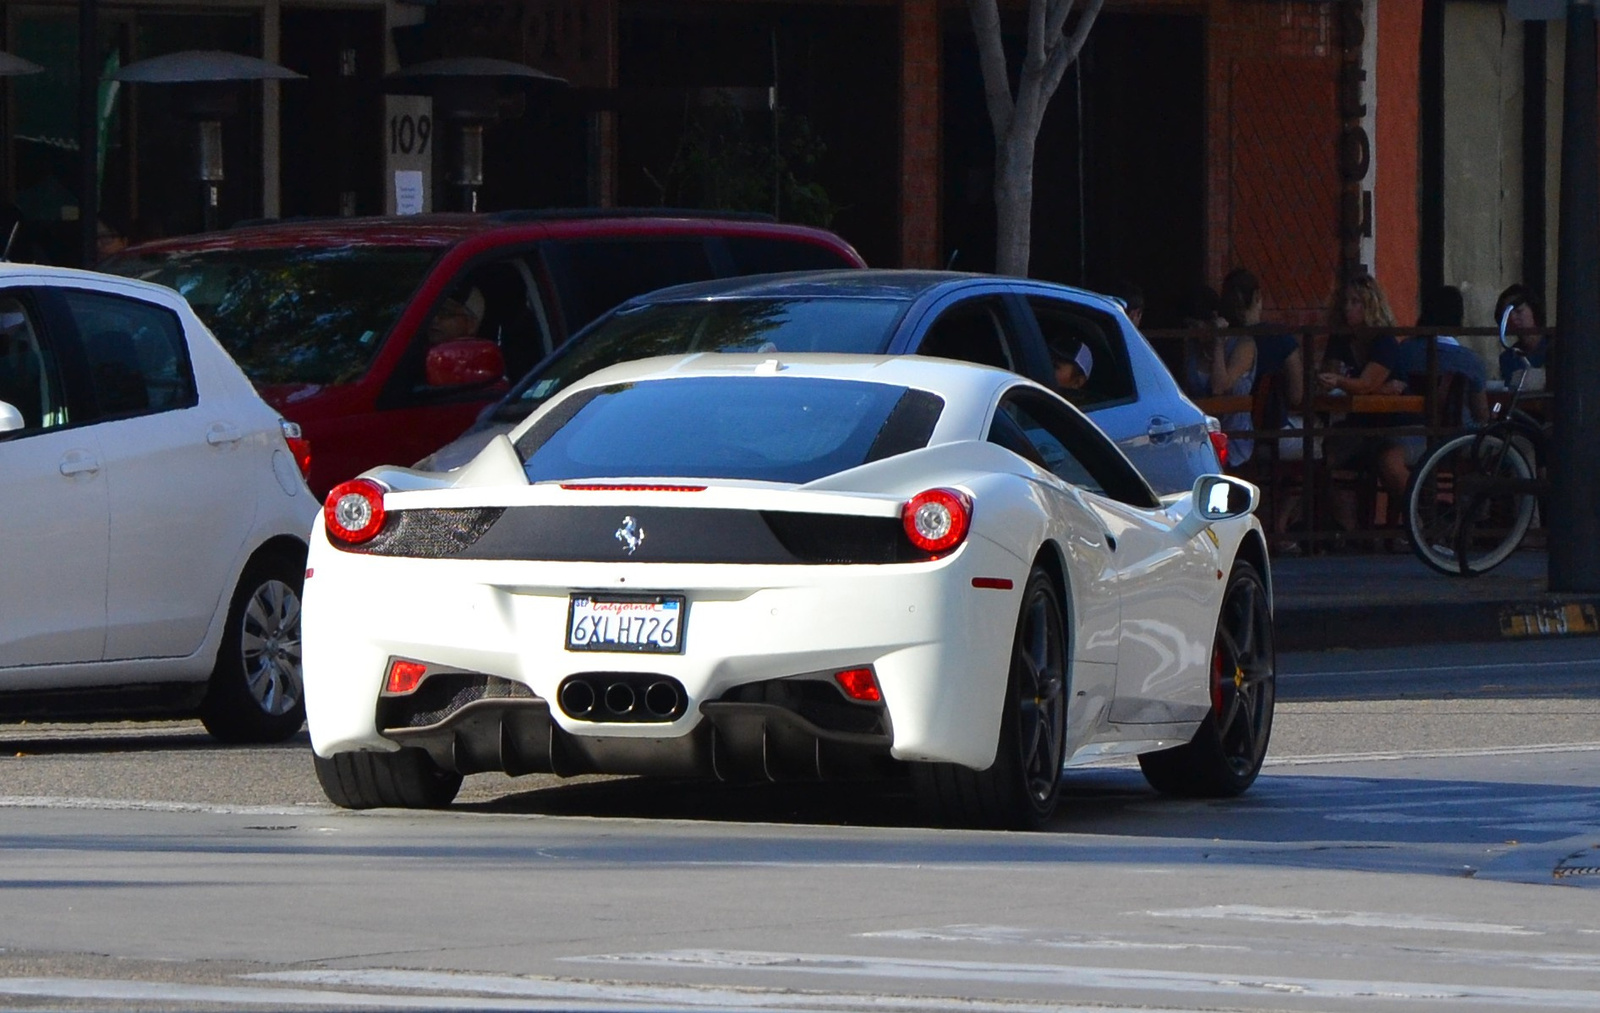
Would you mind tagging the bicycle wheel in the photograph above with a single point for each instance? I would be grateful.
(1462, 521)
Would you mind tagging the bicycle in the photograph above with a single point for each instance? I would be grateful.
(1473, 498)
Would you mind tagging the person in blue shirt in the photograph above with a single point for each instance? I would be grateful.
(1442, 308)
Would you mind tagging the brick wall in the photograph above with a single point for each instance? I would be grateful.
(1272, 155)
(920, 162)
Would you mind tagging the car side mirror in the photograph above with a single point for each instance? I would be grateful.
(1217, 498)
(10, 418)
(464, 362)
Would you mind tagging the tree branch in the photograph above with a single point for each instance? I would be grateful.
(1037, 37)
(1060, 10)
(992, 59)
(1067, 50)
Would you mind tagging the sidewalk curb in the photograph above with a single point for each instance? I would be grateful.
(1413, 624)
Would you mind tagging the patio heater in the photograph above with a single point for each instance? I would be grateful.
(12, 66)
(470, 92)
(197, 72)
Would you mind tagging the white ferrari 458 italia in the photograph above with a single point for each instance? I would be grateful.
(810, 566)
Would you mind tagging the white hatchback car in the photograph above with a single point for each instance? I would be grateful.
(153, 514)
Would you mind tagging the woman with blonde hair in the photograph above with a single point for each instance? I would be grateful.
(1369, 356)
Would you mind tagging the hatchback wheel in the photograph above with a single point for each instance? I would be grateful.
(257, 691)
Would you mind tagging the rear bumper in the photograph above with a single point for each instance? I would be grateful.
(939, 648)
(736, 741)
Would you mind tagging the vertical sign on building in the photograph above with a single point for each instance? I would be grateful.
(1357, 112)
(408, 142)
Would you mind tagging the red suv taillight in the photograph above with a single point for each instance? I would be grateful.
(299, 446)
(353, 512)
(937, 520)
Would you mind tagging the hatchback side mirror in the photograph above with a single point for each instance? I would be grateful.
(1217, 498)
(10, 418)
(465, 362)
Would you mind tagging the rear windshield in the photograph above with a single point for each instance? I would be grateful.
(769, 428)
(292, 315)
(717, 325)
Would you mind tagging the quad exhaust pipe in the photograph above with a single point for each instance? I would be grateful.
(622, 696)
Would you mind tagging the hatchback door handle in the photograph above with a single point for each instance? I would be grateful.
(1161, 427)
(223, 432)
(78, 462)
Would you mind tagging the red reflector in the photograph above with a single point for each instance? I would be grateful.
(633, 488)
(859, 684)
(1219, 443)
(404, 676)
(310, 572)
(992, 583)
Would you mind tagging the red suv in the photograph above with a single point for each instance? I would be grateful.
(384, 337)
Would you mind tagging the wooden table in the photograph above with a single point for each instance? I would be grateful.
(1370, 404)
(1359, 404)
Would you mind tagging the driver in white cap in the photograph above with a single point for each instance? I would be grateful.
(1073, 362)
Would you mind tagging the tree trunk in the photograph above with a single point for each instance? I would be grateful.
(1013, 202)
(1016, 119)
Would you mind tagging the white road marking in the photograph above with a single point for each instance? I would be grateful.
(1576, 962)
(141, 805)
(1485, 666)
(1004, 935)
(668, 996)
(1433, 754)
(122, 991)
(1356, 919)
(1058, 976)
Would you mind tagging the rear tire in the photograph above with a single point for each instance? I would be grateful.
(408, 779)
(1225, 755)
(257, 688)
(1020, 789)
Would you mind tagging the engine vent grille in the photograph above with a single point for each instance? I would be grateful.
(431, 533)
(443, 694)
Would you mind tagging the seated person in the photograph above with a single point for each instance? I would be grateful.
(456, 318)
(1442, 307)
(1530, 351)
(1072, 363)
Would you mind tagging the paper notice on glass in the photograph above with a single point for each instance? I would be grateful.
(407, 192)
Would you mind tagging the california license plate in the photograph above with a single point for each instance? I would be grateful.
(649, 624)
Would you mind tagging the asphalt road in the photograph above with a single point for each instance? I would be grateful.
(1429, 841)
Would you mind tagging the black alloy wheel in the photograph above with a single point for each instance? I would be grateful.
(1019, 791)
(1226, 753)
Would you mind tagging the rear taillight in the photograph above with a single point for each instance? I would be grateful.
(353, 511)
(1219, 443)
(299, 446)
(937, 520)
(1219, 440)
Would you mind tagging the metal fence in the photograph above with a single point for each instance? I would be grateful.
(1315, 461)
